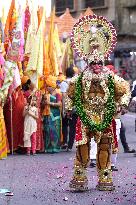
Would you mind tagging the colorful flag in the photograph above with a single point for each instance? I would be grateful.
(15, 52)
(57, 50)
(46, 67)
(26, 21)
(51, 51)
(32, 31)
(35, 63)
(10, 25)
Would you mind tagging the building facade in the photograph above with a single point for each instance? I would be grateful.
(122, 14)
(100, 7)
(125, 20)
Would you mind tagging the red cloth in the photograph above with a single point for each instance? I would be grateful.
(111, 129)
(27, 21)
(18, 103)
(78, 136)
(114, 133)
(33, 144)
(27, 94)
(39, 133)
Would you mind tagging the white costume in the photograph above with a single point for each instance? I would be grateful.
(30, 125)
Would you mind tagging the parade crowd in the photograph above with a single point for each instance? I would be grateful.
(35, 122)
(34, 118)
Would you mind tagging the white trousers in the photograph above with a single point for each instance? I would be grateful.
(93, 151)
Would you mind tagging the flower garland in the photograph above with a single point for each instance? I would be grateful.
(9, 75)
(110, 107)
(82, 29)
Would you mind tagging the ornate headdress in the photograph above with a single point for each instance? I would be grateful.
(93, 38)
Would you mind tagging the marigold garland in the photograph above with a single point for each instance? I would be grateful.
(110, 107)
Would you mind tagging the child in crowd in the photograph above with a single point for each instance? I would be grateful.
(30, 125)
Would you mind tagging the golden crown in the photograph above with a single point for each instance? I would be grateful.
(93, 38)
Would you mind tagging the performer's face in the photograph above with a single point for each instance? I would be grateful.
(97, 68)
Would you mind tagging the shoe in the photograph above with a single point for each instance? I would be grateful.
(130, 151)
(64, 146)
(79, 181)
(20, 151)
(113, 168)
(92, 165)
(69, 150)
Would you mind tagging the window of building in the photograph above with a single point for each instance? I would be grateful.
(61, 5)
(132, 15)
(94, 3)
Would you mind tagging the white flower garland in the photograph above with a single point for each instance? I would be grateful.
(87, 80)
(9, 75)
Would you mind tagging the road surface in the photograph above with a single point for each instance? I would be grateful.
(44, 179)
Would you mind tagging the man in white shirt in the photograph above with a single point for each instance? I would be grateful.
(68, 118)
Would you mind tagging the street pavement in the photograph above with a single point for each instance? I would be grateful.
(44, 179)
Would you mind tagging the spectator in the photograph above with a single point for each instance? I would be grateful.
(30, 125)
(51, 105)
(124, 141)
(133, 94)
(68, 119)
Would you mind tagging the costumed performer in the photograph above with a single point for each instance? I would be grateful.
(95, 94)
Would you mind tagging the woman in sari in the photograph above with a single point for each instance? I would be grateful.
(14, 120)
(51, 104)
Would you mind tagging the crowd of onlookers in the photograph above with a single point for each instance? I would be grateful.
(34, 118)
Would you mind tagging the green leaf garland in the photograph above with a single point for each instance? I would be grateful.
(110, 107)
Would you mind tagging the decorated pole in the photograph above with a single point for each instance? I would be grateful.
(14, 42)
